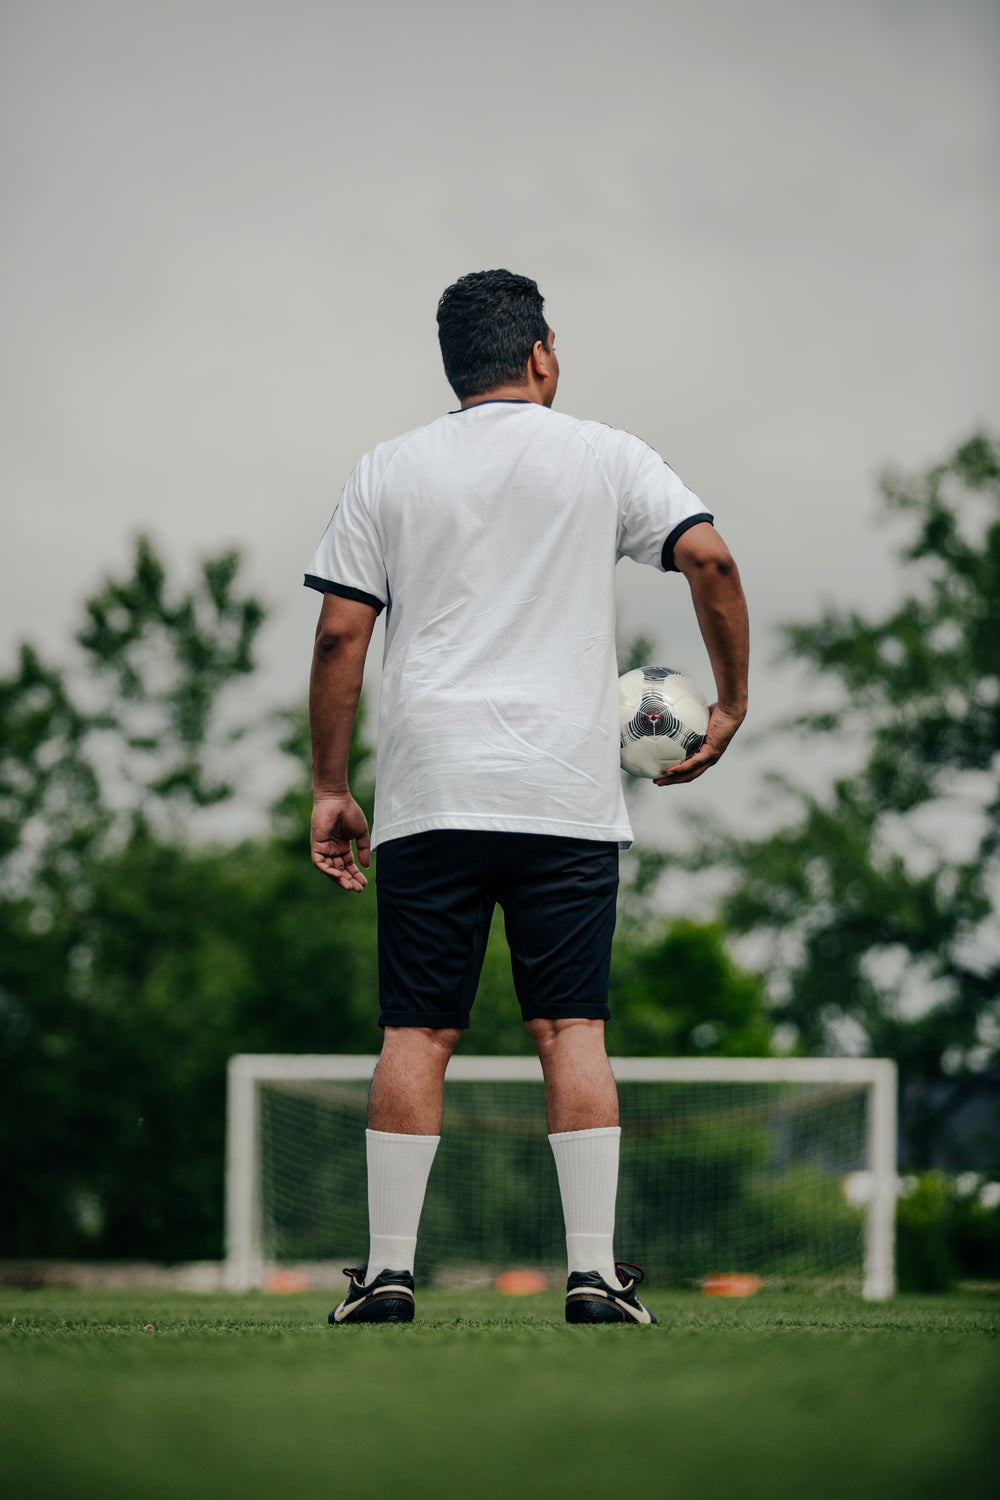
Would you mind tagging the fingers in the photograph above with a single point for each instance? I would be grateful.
(689, 770)
(721, 728)
(338, 865)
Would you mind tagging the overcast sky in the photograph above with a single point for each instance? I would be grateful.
(768, 235)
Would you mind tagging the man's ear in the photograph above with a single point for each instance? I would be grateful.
(540, 360)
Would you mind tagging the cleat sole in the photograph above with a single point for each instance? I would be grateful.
(593, 1310)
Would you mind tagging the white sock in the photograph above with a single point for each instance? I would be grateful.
(398, 1168)
(587, 1164)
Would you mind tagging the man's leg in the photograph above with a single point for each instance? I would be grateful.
(559, 907)
(404, 1124)
(408, 1086)
(433, 924)
(580, 1090)
(582, 1105)
(582, 1110)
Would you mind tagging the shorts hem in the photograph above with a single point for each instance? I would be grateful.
(437, 1020)
(569, 1011)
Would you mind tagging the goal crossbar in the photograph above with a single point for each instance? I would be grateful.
(248, 1072)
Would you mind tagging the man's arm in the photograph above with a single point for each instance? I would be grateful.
(717, 594)
(342, 637)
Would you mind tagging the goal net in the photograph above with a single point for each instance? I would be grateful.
(782, 1169)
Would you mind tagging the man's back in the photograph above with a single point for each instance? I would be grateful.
(492, 535)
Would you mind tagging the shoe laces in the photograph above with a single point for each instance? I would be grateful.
(638, 1274)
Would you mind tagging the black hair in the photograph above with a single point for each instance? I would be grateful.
(488, 324)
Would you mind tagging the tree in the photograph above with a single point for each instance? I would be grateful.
(883, 927)
(95, 764)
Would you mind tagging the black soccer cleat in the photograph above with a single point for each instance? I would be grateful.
(589, 1299)
(389, 1298)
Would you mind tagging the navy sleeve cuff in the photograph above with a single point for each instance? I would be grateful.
(667, 554)
(343, 591)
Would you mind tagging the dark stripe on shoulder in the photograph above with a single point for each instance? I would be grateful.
(343, 591)
(667, 554)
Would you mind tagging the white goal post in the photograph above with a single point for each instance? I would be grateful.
(255, 1077)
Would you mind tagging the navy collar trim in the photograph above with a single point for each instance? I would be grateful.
(493, 401)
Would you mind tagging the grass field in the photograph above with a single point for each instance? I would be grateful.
(488, 1396)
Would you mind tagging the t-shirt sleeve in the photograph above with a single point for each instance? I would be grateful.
(655, 507)
(349, 560)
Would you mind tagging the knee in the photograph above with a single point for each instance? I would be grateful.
(445, 1039)
(551, 1036)
(429, 1041)
(543, 1033)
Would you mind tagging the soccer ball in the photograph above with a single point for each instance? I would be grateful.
(664, 717)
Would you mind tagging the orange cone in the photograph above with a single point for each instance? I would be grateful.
(731, 1284)
(520, 1283)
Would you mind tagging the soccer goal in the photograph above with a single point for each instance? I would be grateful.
(779, 1168)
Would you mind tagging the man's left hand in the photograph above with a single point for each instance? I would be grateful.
(721, 728)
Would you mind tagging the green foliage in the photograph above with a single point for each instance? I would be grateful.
(923, 681)
(637, 652)
(124, 951)
(947, 1229)
(676, 992)
(163, 662)
(49, 796)
(878, 928)
(114, 1053)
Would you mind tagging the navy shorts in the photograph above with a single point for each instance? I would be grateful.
(436, 895)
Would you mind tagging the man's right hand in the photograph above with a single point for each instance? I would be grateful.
(337, 824)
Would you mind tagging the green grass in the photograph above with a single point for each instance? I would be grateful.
(488, 1397)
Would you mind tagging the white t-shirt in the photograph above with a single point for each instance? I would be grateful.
(492, 536)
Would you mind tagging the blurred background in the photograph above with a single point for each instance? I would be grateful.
(767, 235)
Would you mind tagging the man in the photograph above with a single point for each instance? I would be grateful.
(491, 536)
